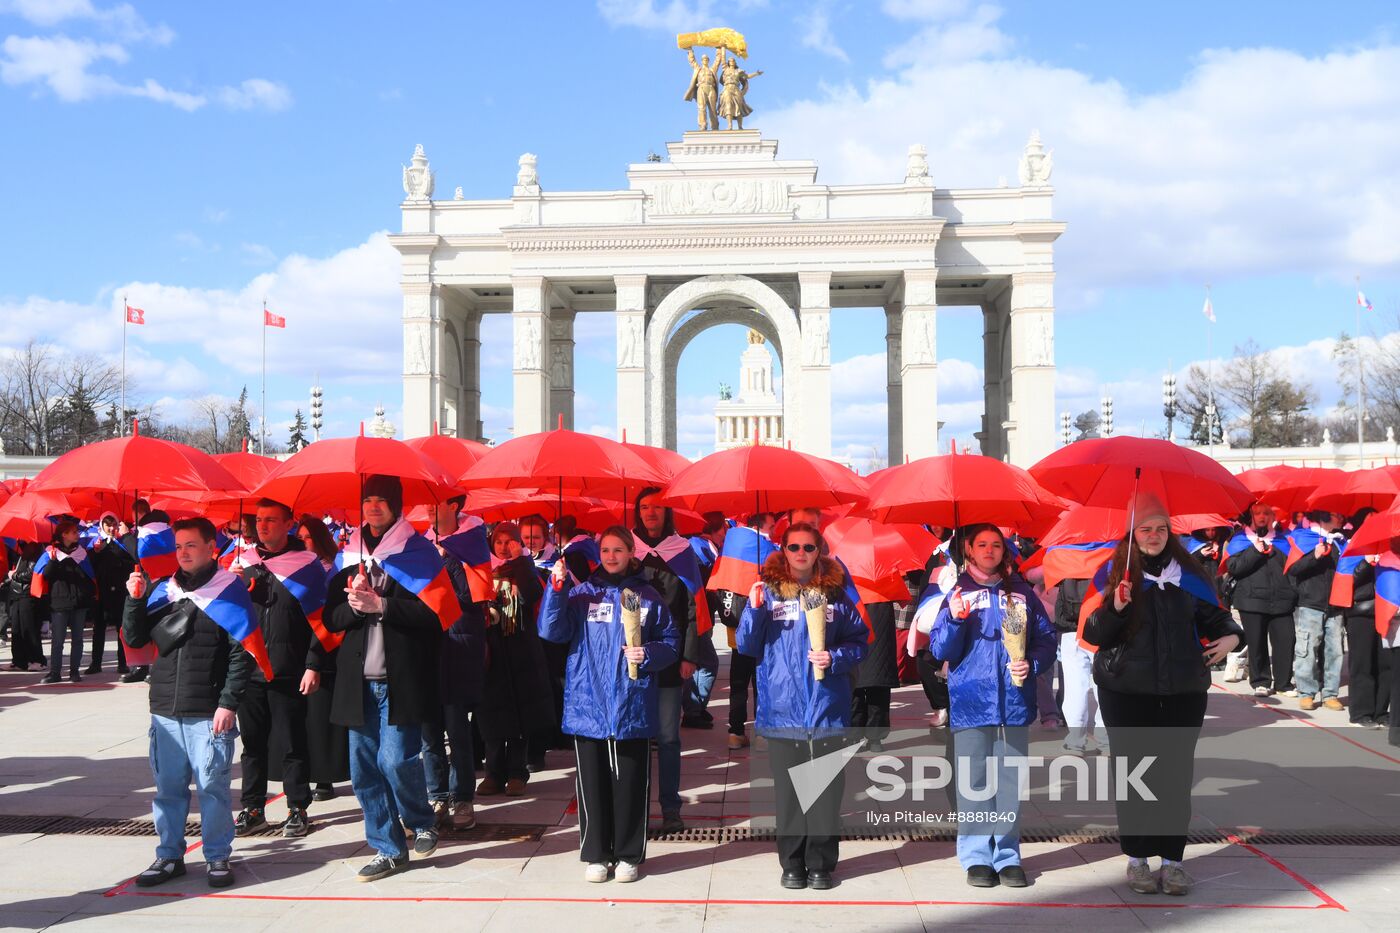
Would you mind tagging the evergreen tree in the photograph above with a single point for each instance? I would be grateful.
(298, 437)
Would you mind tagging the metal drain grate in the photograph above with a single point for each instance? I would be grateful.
(723, 834)
(106, 826)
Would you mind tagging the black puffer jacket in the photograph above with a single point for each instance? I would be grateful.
(1312, 578)
(1067, 604)
(292, 647)
(517, 699)
(1161, 632)
(462, 654)
(1260, 583)
(69, 585)
(113, 565)
(207, 671)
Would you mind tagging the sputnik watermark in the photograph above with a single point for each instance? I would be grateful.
(891, 779)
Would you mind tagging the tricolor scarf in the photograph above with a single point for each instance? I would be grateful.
(410, 560)
(1387, 593)
(1191, 579)
(155, 550)
(224, 600)
(737, 567)
(1302, 541)
(470, 545)
(39, 584)
(675, 552)
(303, 576)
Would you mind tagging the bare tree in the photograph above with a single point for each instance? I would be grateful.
(49, 400)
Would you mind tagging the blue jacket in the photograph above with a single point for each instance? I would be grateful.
(791, 702)
(600, 700)
(980, 690)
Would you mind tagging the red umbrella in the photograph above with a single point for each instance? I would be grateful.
(135, 465)
(25, 516)
(762, 479)
(666, 461)
(879, 555)
(1261, 479)
(1108, 471)
(331, 474)
(455, 455)
(564, 461)
(248, 469)
(1349, 493)
(1087, 524)
(953, 490)
(1373, 537)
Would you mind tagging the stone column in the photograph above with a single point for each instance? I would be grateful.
(530, 319)
(422, 357)
(469, 418)
(919, 363)
(815, 314)
(994, 416)
(1032, 322)
(894, 388)
(631, 359)
(561, 367)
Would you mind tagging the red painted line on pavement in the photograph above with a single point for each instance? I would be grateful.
(1317, 892)
(1296, 718)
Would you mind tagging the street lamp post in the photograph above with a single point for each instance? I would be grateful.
(1065, 429)
(316, 413)
(1106, 416)
(1169, 404)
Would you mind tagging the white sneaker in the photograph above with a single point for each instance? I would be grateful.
(1288, 693)
(1262, 692)
(1235, 667)
(596, 872)
(938, 719)
(626, 872)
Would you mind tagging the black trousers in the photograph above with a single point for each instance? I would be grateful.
(26, 641)
(810, 840)
(1368, 667)
(108, 614)
(742, 669)
(613, 784)
(274, 713)
(1167, 727)
(1269, 638)
(506, 759)
(935, 687)
(870, 710)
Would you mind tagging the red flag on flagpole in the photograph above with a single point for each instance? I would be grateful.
(135, 315)
(273, 320)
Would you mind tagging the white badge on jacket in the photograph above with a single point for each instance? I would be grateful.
(600, 612)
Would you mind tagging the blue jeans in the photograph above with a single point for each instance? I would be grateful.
(187, 748)
(450, 767)
(386, 772)
(697, 690)
(668, 748)
(1317, 629)
(994, 842)
(69, 622)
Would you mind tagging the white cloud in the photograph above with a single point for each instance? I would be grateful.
(64, 66)
(257, 254)
(923, 9)
(1258, 161)
(123, 20)
(817, 34)
(256, 94)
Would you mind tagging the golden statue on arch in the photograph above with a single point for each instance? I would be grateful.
(718, 89)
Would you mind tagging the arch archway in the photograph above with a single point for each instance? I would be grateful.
(724, 299)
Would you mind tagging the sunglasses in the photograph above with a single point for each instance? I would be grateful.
(794, 548)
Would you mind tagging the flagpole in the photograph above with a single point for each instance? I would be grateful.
(1210, 376)
(126, 319)
(262, 405)
(1360, 386)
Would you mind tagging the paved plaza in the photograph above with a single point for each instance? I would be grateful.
(80, 751)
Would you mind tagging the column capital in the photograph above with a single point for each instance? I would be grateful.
(631, 292)
(814, 290)
(920, 288)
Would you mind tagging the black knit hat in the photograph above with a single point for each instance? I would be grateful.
(387, 488)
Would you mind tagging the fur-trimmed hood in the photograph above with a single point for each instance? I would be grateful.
(827, 577)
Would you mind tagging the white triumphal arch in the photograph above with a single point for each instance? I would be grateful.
(723, 231)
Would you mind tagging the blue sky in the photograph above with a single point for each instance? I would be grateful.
(200, 158)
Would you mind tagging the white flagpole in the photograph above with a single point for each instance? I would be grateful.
(262, 408)
(1211, 414)
(121, 415)
(1360, 386)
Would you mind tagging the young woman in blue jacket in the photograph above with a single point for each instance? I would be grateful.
(989, 713)
(801, 716)
(610, 715)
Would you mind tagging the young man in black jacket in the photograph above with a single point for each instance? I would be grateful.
(72, 588)
(1318, 626)
(386, 679)
(113, 565)
(1265, 599)
(278, 707)
(196, 684)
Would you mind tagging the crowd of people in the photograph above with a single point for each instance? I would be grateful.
(381, 654)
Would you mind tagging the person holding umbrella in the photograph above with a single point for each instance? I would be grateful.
(387, 672)
(113, 565)
(1265, 598)
(620, 636)
(66, 576)
(26, 644)
(808, 639)
(996, 637)
(1147, 622)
